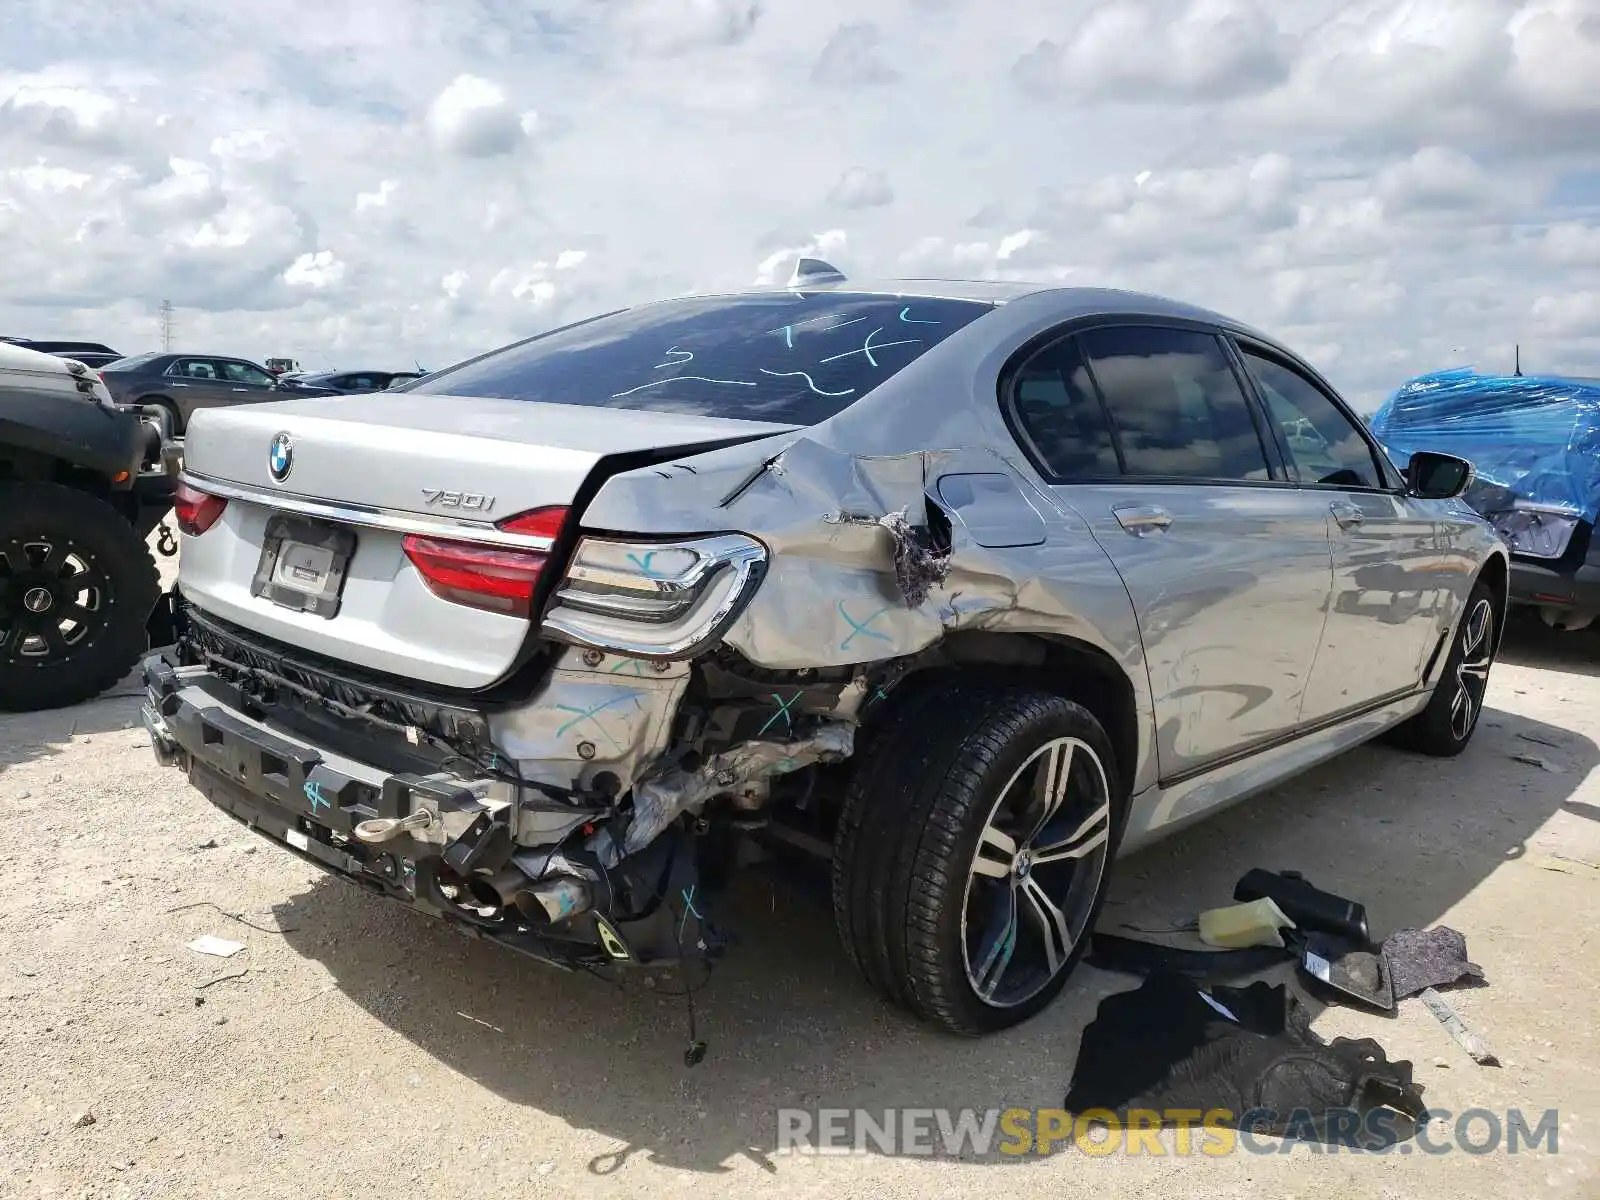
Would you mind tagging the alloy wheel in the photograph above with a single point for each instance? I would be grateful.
(1472, 672)
(54, 600)
(1035, 874)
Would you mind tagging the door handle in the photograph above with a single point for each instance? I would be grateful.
(180, 385)
(1348, 515)
(1140, 519)
(241, 389)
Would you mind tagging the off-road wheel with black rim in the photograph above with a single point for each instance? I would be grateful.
(973, 854)
(1446, 725)
(76, 589)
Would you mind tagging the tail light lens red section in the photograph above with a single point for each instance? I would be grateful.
(499, 579)
(196, 511)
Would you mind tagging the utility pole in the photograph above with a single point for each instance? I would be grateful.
(166, 326)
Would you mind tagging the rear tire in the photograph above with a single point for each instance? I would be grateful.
(174, 422)
(966, 882)
(76, 589)
(1447, 724)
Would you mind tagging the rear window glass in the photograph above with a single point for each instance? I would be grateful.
(135, 360)
(783, 358)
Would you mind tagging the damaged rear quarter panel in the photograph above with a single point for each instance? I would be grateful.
(819, 500)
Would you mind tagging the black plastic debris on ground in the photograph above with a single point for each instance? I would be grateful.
(1168, 1048)
(1131, 956)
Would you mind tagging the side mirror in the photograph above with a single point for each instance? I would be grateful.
(1434, 476)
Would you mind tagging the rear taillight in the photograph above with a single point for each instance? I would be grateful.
(499, 579)
(196, 511)
(536, 522)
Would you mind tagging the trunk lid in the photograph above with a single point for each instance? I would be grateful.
(393, 450)
(371, 469)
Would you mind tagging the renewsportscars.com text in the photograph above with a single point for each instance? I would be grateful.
(1212, 1133)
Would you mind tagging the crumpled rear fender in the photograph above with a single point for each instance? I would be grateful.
(874, 558)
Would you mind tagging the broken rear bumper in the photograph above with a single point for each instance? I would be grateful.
(310, 800)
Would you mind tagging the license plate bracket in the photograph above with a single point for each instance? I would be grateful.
(303, 565)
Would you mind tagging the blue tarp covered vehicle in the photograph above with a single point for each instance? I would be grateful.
(1535, 442)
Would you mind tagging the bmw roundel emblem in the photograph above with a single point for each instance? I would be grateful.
(280, 458)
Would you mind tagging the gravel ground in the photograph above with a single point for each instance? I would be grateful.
(356, 1049)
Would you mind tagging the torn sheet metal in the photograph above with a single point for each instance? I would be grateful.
(660, 800)
(849, 555)
(596, 713)
(919, 564)
(873, 558)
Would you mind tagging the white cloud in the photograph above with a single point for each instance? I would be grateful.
(1572, 244)
(64, 116)
(862, 188)
(318, 270)
(1152, 51)
(853, 55)
(675, 26)
(376, 199)
(473, 118)
(1571, 313)
(1391, 185)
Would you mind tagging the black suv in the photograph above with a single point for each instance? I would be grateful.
(90, 354)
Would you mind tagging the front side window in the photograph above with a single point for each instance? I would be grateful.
(1057, 407)
(780, 357)
(239, 372)
(1176, 405)
(1324, 444)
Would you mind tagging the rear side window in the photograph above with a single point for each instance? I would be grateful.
(1176, 405)
(132, 361)
(1059, 412)
(785, 358)
(194, 368)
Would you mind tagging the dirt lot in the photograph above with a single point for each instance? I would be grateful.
(368, 1052)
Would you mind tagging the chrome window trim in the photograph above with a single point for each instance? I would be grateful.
(372, 518)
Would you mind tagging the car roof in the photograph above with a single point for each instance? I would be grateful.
(58, 346)
(24, 358)
(1069, 300)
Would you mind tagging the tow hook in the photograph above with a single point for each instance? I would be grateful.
(382, 829)
(166, 544)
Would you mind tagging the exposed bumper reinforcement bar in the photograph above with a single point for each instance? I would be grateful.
(312, 802)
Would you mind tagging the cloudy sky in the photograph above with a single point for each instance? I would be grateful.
(1392, 185)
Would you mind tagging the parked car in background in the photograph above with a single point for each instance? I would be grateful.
(1535, 444)
(282, 366)
(345, 383)
(181, 384)
(969, 587)
(90, 354)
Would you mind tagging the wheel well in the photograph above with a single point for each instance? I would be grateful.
(1497, 576)
(171, 405)
(1067, 667)
(27, 466)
